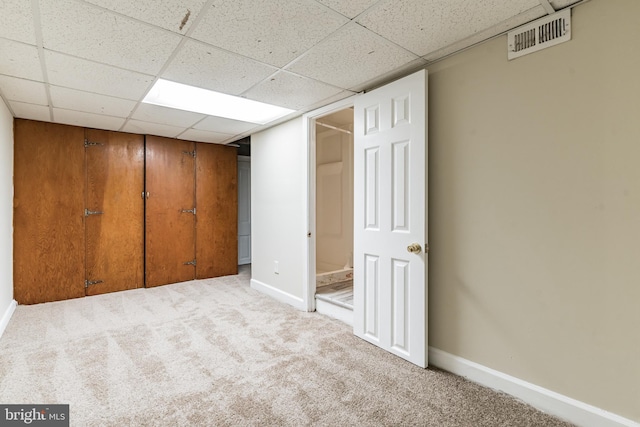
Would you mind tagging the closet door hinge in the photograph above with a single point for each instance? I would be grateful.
(191, 263)
(87, 143)
(190, 153)
(88, 283)
(87, 212)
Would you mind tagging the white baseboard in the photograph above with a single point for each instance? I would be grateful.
(545, 400)
(278, 294)
(4, 321)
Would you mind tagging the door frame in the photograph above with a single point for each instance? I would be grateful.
(245, 159)
(309, 198)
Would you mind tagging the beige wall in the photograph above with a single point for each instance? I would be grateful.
(278, 198)
(6, 210)
(534, 195)
(334, 200)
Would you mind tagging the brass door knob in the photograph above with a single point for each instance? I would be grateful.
(414, 248)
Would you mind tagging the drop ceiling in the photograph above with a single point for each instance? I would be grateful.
(90, 63)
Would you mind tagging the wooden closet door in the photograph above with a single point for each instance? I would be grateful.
(217, 202)
(170, 216)
(114, 219)
(49, 246)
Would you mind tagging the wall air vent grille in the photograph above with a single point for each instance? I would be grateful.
(546, 32)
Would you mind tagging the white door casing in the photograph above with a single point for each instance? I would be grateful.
(390, 213)
(244, 210)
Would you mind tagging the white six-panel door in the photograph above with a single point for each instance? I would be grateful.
(390, 206)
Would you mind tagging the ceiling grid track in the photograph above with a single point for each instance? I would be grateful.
(35, 9)
(547, 6)
(185, 37)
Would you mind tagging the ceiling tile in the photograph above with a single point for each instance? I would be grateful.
(291, 91)
(16, 21)
(90, 120)
(273, 31)
(208, 67)
(137, 126)
(20, 60)
(89, 32)
(205, 136)
(114, 48)
(227, 126)
(166, 116)
(516, 21)
(15, 89)
(77, 100)
(424, 26)
(76, 73)
(351, 56)
(30, 111)
(173, 15)
(351, 8)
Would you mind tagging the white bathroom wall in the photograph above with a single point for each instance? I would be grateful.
(334, 200)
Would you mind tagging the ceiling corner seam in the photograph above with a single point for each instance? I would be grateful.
(35, 9)
(547, 7)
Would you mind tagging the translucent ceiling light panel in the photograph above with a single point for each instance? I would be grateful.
(190, 98)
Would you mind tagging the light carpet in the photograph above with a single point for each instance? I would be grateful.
(216, 352)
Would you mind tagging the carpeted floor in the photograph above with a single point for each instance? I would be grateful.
(215, 352)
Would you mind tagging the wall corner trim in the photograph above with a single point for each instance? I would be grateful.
(548, 401)
(278, 294)
(4, 321)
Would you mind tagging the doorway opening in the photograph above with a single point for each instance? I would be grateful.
(334, 214)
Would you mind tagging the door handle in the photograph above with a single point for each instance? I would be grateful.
(414, 248)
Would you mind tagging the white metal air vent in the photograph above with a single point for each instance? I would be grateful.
(545, 32)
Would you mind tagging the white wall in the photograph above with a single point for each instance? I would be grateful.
(6, 215)
(278, 200)
(534, 198)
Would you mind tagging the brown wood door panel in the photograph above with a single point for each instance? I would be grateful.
(49, 246)
(170, 233)
(217, 218)
(114, 185)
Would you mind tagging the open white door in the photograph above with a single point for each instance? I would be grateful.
(390, 218)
